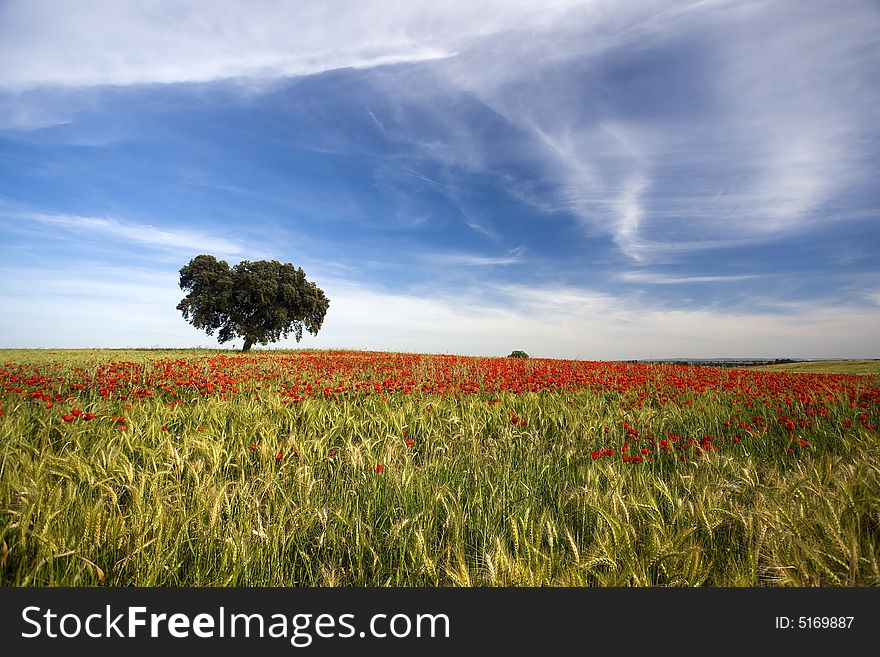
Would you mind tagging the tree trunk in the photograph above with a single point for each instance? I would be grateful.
(248, 343)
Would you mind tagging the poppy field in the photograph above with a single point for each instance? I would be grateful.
(345, 468)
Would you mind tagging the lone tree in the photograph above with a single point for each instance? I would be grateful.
(258, 301)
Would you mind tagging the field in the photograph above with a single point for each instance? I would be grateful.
(827, 367)
(161, 468)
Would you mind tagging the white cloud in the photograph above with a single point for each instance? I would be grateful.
(27, 111)
(479, 227)
(105, 42)
(790, 129)
(93, 306)
(513, 257)
(654, 278)
(798, 82)
(144, 234)
(102, 306)
(782, 124)
(558, 321)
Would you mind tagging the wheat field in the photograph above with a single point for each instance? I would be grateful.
(206, 468)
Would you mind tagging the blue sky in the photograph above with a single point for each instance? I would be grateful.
(578, 179)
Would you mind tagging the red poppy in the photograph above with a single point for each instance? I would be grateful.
(410, 442)
(76, 412)
(253, 447)
(89, 416)
(67, 418)
(595, 456)
(279, 456)
(379, 467)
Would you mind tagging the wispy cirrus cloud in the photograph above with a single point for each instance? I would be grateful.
(192, 41)
(770, 98)
(674, 126)
(513, 257)
(652, 155)
(92, 228)
(655, 278)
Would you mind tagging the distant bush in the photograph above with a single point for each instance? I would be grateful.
(518, 354)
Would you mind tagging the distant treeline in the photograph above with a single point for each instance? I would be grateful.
(724, 363)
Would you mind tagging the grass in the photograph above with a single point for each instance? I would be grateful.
(251, 491)
(827, 367)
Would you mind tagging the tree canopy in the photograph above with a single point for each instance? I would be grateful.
(260, 301)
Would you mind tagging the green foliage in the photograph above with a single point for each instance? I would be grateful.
(518, 354)
(259, 301)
